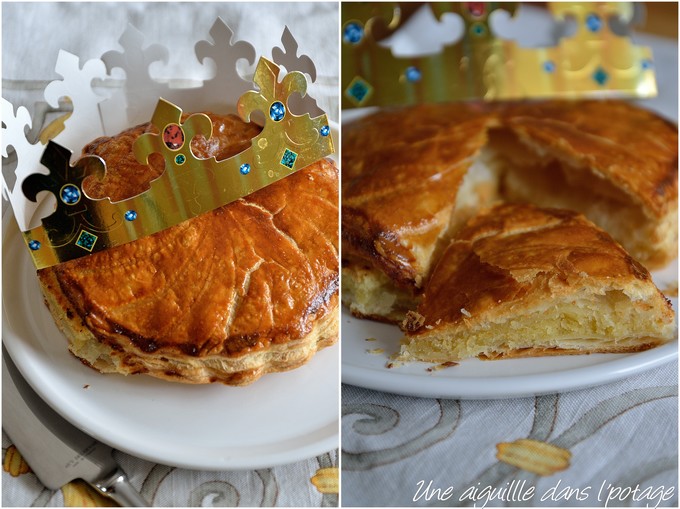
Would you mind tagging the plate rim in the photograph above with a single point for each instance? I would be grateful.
(328, 441)
(460, 388)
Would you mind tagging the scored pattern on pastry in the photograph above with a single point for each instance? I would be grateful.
(413, 176)
(523, 281)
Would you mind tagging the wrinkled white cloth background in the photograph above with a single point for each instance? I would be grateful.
(33, 33)
(620, 436)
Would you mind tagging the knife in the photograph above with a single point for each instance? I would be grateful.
(56, 451)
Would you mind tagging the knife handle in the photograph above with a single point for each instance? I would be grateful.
(118, 488)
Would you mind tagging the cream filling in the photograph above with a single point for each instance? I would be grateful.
(532, 175)
(597, 323)
(370, 293)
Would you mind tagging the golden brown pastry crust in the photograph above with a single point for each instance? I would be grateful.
(402, 169)
(246, 289)
(518, 261)
(634, 149)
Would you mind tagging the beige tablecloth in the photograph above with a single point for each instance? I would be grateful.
(572, 449)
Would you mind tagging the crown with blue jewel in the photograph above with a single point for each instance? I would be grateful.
(48, 189)
(595, 61)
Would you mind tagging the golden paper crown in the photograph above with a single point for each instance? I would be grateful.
(594, 61)
(80, 225)
(188, 187)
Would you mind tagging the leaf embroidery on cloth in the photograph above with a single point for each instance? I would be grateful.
(14, 463)
(534, 456)
(325, 480)
(81, 494)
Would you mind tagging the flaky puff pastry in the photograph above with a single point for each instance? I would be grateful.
(401, 172)
(238, 292)
(523, 281)
(610, 160)
(413, 176)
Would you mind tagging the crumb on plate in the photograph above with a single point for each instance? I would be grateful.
(443, 365)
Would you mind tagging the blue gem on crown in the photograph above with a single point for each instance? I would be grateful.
(130, 215)
(593, 22)
(358, 90)
(288, 159)
(325, 131)
(413, 74)
(478, 29)
(34, 245)
(245, 169)
(86, 240)
(70, 194)
(549, 66)
(353, 33)
(277, 111)
(600, 76)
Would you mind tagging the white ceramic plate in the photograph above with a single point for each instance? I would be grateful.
(282, 418)
(476, 379)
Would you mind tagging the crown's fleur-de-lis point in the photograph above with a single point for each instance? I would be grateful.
(76, 85)
(167, 114)
(14, 126)
(27, 159)
(288, 57)
(62, 176)
(76, 82)
(266, 74)
(266, 78)
(134, 59)
(224, 51)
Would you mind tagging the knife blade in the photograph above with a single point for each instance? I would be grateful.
(57, 451)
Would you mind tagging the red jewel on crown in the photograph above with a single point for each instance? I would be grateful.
(476, 9)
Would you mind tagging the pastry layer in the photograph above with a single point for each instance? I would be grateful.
(402, 204)
(107, 356)
(401, 172)
(613, 162)
(521, 281)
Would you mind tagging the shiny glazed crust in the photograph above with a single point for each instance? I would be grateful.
(241, 291)
(523, 281)
(632, 148)
(403, 169)
(176, 366)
